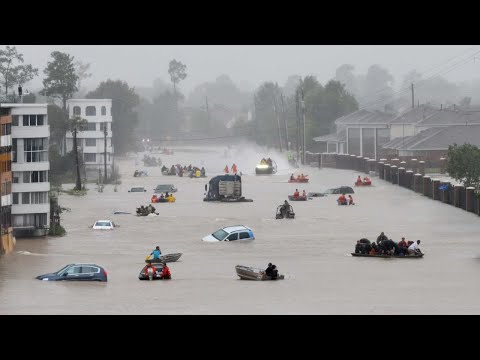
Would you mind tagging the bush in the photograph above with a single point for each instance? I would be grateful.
(59, 231)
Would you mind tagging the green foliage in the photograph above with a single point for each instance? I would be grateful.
(61, 167)
(75, 192)
(177, 71)
(61, 77)
(58, 231)
(29, 99)
(463, 164)
(58, 121)
(12, 69)
(124, 115)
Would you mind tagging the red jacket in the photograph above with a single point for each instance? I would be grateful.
(166, 271)
(153, 268)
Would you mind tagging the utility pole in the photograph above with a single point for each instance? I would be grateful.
(78, 182)
(105, 131)
(413, 97)
(208, 112)
(285, 121)
(297, 108)
(275, 109)
(303, 112)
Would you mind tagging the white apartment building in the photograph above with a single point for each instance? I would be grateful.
(91, 141)
(30, 167)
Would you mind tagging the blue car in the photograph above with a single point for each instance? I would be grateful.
(77, 272)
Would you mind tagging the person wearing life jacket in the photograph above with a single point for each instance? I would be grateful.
(350, 200)
(165, 275)
(359, 181)
(292, 178)
(202, 172)
(263, 162)
(234, 169)
(342, 200)
(296, 194)
(171, 199)
(366, 180)
(198, 173)
(226, 169)
(304, 194)
(154, 199)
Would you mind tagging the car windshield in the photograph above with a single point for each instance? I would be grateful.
(102, 223)
(164, 187)
(59, 272)
(220, 234)
(137, 189)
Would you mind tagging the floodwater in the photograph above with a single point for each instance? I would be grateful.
(313, 250)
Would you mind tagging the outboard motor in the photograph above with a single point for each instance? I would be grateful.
(150, 273)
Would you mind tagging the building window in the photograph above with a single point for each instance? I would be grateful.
(37, 220)
(15, 120)
(26, 177)
(16, 177)
(35, 176)
(90, 111)
(89, 157)
(6, 129)
(104, 111)
(6, 166)
(35, 150)
(15, 198)
(353, 141)
(368, 143)
(26, 198)
(103, 125)
(34, 120)
(14, 150)
(91, 126)
(90, 142)
(77, 111)
(6, 188)
(38, 197)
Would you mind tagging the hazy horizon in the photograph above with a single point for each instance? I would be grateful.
(250, 65)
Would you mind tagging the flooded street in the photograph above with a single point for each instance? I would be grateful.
(313, 250)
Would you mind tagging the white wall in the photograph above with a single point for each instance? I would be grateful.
(400, 130)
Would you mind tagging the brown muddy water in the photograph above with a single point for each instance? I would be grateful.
(313, 250)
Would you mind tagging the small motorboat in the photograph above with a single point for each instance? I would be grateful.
(250, 273)
(165, 258)
(282, 215)
(315, 194)
(298, 198)
(265, 169)
(416, 256)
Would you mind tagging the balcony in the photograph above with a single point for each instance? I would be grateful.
(30, 209)
(21, 132)
(31, 187)
(31, 166)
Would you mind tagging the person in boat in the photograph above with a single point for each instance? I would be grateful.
(172, 170)
(136, 173)
(304, 194)
(269, 162)
(285, 209)
(350, 200)
(154, 199)
(342, 200)
(403, 247)
(367, 180)
(164, 168)
(414, 249)
(268, 270)
(302, 177)
(389, 246)
(234, 169)
(171, 198)
(226, 169)
(381, 237)
(162, 197)
(198, 173)
(292, 178)
(156, 252)
(373, 250)
(274, 274)
(166, 274)
(202, 172)
(296, 194)
(150, 269)
(140, 210)
(359, 180)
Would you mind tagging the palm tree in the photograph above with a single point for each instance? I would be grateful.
(77, 124)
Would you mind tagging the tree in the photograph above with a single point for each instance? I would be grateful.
(378, 86)
(77, 124)
(12, 70)
(61, 78)
(344, 74)
(463, 164)
(124, 116)
(59, 125)
(177, 72)
(81, 71)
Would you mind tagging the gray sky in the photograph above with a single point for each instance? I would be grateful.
(249, 65)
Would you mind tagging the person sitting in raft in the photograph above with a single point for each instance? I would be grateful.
(263, 162)
(268, 270)
(164, 168)
(304, 194)
(198, 173)
(172, 170)
(374, 249)
(292, 177)
(366, 180)
(342, 200)
(165, 275)
(296, 194)
(269, 162)
(350, 200)
(234, 169)
(154, 199)
(403, 247)
(359, 181)
(202, 172)
(171, 199)
(162, 197)
(226, 169)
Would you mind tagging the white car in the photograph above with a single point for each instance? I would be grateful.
(231, 233)
(103, 225)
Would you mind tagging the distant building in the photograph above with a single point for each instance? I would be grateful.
(7, 239)
(91, 141)
(30, 168)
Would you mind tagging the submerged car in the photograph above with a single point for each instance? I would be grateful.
(103, 225)
(340, 190)
(137, 189)
(77, 272)
(231, 233)
(160, 189)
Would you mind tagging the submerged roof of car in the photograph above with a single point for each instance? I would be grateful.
(103, 221)
(236, 228)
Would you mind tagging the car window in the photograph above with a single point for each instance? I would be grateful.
(220, 234)
(90, 269)
(233, 237)
(74, 270)
(245, 235)
(102, 223)
(59, 272)
(137, 189)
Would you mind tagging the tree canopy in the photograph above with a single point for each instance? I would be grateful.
(13, 70)
(463, 164)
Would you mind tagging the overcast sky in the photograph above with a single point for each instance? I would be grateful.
(249, 65)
